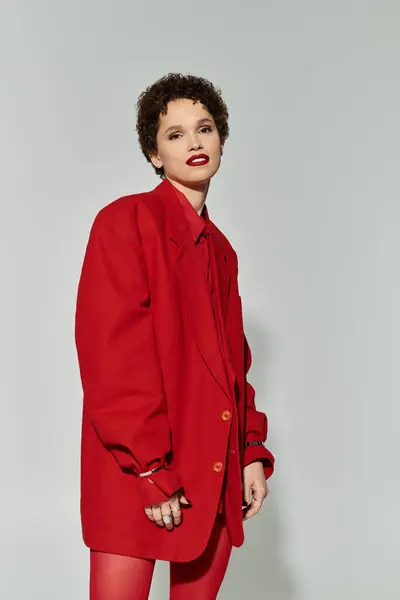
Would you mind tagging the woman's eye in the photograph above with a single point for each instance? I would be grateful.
(175, 136)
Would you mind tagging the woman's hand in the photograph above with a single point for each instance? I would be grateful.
(171, 507)
(254, 479)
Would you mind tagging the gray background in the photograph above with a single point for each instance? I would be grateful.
(308, 193)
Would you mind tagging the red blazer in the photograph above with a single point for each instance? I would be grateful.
(155, 389)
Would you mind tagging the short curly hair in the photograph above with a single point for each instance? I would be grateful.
(153, 101)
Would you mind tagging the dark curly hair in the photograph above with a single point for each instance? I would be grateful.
(153, 101)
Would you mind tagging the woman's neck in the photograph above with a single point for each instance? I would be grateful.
(195, 193)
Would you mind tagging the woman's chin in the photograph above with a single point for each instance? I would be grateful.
(197, 176)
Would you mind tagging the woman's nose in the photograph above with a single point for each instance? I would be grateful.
(195, 145)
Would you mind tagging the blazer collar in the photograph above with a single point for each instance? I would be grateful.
(197, 223)
(193, 283)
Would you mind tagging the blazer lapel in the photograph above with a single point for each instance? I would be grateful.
(193, 284)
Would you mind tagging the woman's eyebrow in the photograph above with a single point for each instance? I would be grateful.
(199, 122)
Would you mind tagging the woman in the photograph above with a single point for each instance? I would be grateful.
(172, 442)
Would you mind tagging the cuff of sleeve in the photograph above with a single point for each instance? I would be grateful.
(260, 453)
(256, 425)
(158, 487)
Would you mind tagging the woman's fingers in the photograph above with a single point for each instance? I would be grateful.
(184, 500)
(157, 516)
(166, 511)
(149, 512)
(176, 511)
(259, 494)
(171, 508)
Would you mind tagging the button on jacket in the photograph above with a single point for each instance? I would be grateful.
(163, 360)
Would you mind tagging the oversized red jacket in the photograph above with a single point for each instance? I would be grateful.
(155, 387)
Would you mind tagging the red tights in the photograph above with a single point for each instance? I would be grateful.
(117, 577)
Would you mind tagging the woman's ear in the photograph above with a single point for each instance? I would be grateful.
(155, 159)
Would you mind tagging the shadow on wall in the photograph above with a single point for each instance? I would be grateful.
(257, 570)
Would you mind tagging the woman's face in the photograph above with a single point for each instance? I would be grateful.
(186, 130)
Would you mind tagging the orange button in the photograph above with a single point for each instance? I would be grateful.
(218, 466)
(226, 415)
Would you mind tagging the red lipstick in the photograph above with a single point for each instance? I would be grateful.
(197, 160)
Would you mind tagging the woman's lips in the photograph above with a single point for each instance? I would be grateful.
(198, 160)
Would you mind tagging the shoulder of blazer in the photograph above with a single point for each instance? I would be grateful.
(121, 213)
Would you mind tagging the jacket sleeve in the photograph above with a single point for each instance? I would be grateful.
(256, 425)
(118, 360)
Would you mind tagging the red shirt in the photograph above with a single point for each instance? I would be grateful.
(203, 241)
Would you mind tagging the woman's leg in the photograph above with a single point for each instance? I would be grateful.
(201, 578)
(117, 577)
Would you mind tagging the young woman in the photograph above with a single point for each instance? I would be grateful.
(172, 442)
